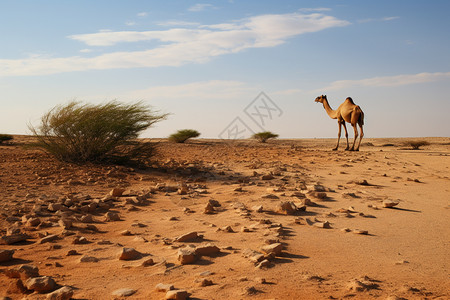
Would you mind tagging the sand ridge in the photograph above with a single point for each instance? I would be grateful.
(291, 219)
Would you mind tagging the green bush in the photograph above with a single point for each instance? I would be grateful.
(183, 135)
(264, 136)
(5, 137)
(79, 132)
(415, 145)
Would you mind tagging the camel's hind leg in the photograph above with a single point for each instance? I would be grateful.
(355, 129)
(360, 137)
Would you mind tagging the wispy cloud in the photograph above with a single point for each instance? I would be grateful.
(130, 23)
(388, 81)
(200, 7)
(317, 9)
(177, 46)
(142, 14)
(385, 19)
(172, 23)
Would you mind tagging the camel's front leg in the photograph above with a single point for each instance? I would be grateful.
(339, 136)
(346, 135)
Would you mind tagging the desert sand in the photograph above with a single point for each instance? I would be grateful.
(289, 219)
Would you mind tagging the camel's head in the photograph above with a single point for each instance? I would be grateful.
(321, 98)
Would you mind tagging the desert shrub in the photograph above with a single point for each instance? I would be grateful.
(415, 145)
(183, 135)
(5, 137)
(264, 136)
(79, 132)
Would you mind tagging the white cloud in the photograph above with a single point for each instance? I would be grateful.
(130, 23)
(200, 7)
(177, 46)
(378, 20)
(142, 14)
(86, 50)
(388, 81)
(172, 23)
(317, 9)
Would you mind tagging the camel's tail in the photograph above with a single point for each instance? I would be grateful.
(361, 116)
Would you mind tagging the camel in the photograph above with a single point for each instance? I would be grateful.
(347, 112)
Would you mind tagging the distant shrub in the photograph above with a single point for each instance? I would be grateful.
(264, 136)
(5, 137)
(79, 132)
(415, 145)
(183, 135)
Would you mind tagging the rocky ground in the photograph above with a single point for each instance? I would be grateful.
(289, 219)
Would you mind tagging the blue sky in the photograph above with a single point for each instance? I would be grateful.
(207, 63)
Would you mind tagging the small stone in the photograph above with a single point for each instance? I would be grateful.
(148, 262)
(64, 293)
(325, 224)
(162, 287)
(264, 264)
(187, 237)
(270, 196)
(275, 249)
(43, 284)
(267, 177)
(207, 250)
(205, 282)
(287, 207)
(112, 216)
(130, 254)
(48, 238)
(23, 272)
(79, 240)
(72, 252)
(359, 231)
(227, 229)
(177, 295)
(65, 223)
(209, 209)
(389, 203)
(6, 255)
(87, 219)
(86, 258)
(125, 292)
(117, 192)
(125, 232)
(32, 222)
(12, 239)
(257, 208)
(186, 256)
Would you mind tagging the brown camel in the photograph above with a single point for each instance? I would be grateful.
(347, 112)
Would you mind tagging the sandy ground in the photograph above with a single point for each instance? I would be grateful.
(338, 241)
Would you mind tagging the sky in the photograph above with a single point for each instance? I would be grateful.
(229, 69)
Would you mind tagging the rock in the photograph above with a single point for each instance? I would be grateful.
(359, 231)
(64, 293)
(264, 264)
(267, 177)
(86, 258)
(204, 282)
(148, 262)
(112, 216)
(270, 196)
(253, 256)
(325, 224)
(54, 207)
(125, 292)
(162, 287)
(186, 256)
(257, 208)
(275, 249)
(65, 223)
(187, 237)
(177, 295)
(389, 203)
(87, 219)
(207, 250)
(130, 254)
(33, 222)
(6, 255)
(23, 272)
(209, 209)
(12, 239)
(80, 240)
(287, 207)
(227, 229)
(43, 284)
(48, 238)
(361, 285)
(116, 192)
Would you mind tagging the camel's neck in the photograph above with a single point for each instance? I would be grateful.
(332, 113)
